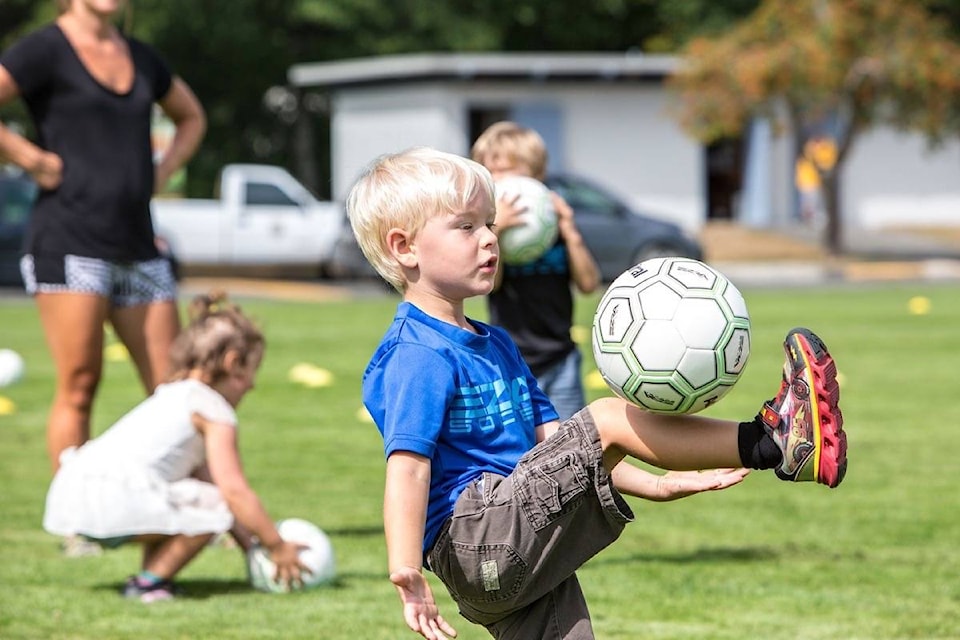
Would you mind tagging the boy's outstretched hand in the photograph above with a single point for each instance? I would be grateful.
(679, 484)
(672, 485)
(419, 609)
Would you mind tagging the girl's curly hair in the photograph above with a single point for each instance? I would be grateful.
(216, 326)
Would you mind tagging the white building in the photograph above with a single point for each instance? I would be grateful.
(608, 117)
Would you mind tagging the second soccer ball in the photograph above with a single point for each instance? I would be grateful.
(526, 242)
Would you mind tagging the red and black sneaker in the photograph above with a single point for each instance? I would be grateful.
(804, 419)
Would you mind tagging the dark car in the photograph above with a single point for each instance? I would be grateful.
(618, 236)
(17, 193)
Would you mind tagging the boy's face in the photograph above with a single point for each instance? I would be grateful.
(457, 252)
(500, 166)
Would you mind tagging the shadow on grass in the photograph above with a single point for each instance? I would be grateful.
(358, 532)
(193, 589)
(718, 555)
(201, 589)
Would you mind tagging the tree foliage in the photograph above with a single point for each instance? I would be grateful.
(233, 52)
(850, 64)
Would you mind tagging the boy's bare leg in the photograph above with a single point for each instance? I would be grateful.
(685, 442)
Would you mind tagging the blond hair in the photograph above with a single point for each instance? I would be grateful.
(517, 144)
(403, 191)
(215, 328)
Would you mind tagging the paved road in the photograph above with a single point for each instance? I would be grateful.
(876, 260)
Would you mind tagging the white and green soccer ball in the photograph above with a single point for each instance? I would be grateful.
(528, 241)
(671, 335)
(318, 557)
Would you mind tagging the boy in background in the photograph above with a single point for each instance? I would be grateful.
(534, 301)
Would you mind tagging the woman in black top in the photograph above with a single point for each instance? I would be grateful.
(90, 252)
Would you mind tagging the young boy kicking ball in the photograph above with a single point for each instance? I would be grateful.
(484, 486)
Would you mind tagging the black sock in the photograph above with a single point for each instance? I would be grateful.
(757, 448)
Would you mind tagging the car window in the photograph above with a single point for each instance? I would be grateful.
(263, 194)
(583, 197)
(16, 201)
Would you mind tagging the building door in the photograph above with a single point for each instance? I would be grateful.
(724, 178)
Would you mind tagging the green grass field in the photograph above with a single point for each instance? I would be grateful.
(876, 558)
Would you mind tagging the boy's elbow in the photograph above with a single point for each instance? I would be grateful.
(588, 283)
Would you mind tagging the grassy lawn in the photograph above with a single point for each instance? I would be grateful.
(875, 558)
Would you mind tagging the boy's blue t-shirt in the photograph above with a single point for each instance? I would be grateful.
(464, 400)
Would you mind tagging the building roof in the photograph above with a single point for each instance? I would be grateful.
(482, 66)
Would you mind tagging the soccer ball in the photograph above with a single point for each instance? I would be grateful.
(528, 241)
(11, 367)
(671, 335)
(318, 557)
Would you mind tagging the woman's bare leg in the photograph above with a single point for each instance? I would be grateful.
(73, 327)
(147, 331)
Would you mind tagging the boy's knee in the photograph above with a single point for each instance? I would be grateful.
(607, 411)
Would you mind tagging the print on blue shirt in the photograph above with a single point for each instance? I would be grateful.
(490, 405)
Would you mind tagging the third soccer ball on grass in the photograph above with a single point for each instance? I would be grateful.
(671, 335)
(318, 557)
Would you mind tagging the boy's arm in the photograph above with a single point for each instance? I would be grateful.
(405, 496)
(583, 268)
(673, 485)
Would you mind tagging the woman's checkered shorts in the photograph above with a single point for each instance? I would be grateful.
(127, 284)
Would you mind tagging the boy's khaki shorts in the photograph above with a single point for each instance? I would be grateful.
(509, 552)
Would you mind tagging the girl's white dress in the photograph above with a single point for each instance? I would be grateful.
(136, 477)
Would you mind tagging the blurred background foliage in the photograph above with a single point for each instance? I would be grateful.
(233, 51)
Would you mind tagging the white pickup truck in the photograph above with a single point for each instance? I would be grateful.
(263, 220)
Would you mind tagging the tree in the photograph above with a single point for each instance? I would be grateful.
(850, 64)
(233, 53)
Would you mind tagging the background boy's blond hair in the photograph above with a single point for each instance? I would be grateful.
(517, 144)
(404, 190)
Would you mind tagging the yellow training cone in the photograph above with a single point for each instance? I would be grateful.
(310, 375)
(7, 406)
(595, 381)
(116, 352)
(579, 334)
(919, 305)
